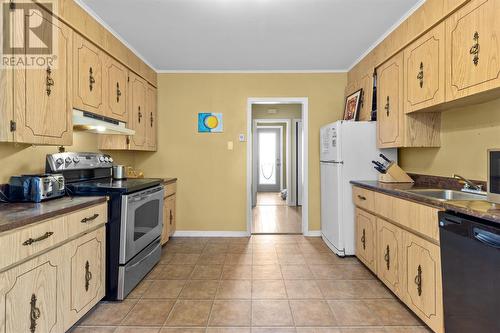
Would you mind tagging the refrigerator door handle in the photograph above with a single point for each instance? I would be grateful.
(333, 162)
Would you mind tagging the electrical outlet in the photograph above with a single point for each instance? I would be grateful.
(241, 137)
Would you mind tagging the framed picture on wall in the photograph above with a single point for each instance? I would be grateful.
(352, 105)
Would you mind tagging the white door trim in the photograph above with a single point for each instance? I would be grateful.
(304, 101)
(288, 149)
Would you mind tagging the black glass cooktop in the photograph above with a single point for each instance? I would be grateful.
(108, 185)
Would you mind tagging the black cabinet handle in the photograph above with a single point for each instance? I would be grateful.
(34, 313)
(30, 241)
(360, 197)
(363, 239)
(418, 280)
(387, 258)
(90, 218)
(88, 275)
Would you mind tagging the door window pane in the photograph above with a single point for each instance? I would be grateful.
(267, 158)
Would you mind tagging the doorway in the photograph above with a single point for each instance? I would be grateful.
(276, 177)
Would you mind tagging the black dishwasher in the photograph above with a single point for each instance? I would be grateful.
(470, 264)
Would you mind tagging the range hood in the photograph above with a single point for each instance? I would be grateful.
(89, 122)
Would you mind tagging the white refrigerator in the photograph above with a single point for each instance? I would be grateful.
(346, 151)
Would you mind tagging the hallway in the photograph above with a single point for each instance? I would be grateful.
(272, 215)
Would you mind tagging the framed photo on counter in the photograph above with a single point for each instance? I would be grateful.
(352, 105)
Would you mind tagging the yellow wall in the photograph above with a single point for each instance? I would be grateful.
(212, 180)
(17, 159)
(466, 134)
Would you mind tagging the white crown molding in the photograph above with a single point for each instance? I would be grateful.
(193, 233)
(388, 32)
(201, 71)
(113, 32)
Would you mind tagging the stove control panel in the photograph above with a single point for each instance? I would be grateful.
(77, 161)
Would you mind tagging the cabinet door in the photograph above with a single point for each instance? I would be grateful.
(152, 114)
(116, 76)
(138, 119)
(88, 76)
(365, 238)
(366, 83)
(167, 211)
(87, 274)
(31, 295)
(42, 102)
(390, 125)
(423, 292)
(473, 49)
(424, 76)
(389, 252)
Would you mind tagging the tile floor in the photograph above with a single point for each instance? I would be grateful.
(272, 215)
(266, 283)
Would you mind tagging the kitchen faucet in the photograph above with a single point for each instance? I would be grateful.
(469, 186)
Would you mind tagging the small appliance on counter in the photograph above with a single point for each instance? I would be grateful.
(119, 172)
(36, 188)
(494, 175)
(390, 171)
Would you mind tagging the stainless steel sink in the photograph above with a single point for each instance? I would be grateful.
(447, 195)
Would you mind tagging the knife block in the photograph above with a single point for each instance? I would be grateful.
(395, 174)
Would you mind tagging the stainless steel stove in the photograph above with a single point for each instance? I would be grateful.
(135, 217)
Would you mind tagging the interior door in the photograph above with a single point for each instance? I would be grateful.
(269, 160)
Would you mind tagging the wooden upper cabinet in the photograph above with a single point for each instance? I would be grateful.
(116, 76)
(152, 114)
(390, 103)
(366, 84)
(42, 96)
(424, 71)
(473, 49)
(138, 118)
(88, 76)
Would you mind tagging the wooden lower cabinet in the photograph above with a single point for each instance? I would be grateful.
(423, 284)
(86, 274)
(389, 255)
(32, 295)
(366, 238)
(168, 218)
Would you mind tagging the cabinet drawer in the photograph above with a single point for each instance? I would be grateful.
(363, 198)
(36, 238)
(170, 189)
(366, 238)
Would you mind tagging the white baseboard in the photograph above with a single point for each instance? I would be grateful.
(195, 233)
(313, 233)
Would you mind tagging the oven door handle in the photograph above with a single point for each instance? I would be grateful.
(145, 258)
(487, 238)
(142, 197)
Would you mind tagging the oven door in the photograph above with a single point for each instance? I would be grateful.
(141, 221)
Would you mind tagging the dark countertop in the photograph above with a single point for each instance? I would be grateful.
(476, 208)
(16, 215)
(167, 181)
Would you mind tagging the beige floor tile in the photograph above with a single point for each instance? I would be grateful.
(189, 313)
(293, 272)
(374, 329)
(265, 258)
(208, 272)
(199, 289)
(149, 313)
(291, 259)
(92, 329)
(271, 313)
(239, 259)
(268, 289)
(323, 258)
(230, 313)
(237, 272)
(266, 272)
(392, 312)
(124, 329)
(182, 330)
(216, 248)
(302, 289)
(318, 330)
(407, 329)
(171, 272)
(140, 289)
(273, 330)
(185, 259)
(353, 289)
(164, 289)
(212, 259)
(228, 330)
(353, 313)
(239, 249)
(234, 289)
(108, 313)
(312, 313)
(166, 257)
(341, 272)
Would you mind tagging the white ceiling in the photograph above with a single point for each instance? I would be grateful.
(250, 35)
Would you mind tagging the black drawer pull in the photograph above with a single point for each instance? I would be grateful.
(30, 241)
(89, 219)
(360, 197)
(418, 280)
(363, 239)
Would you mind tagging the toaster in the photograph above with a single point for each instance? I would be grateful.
(36, 188)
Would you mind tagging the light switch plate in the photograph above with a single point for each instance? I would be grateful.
(241, 137)
(230, 145)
